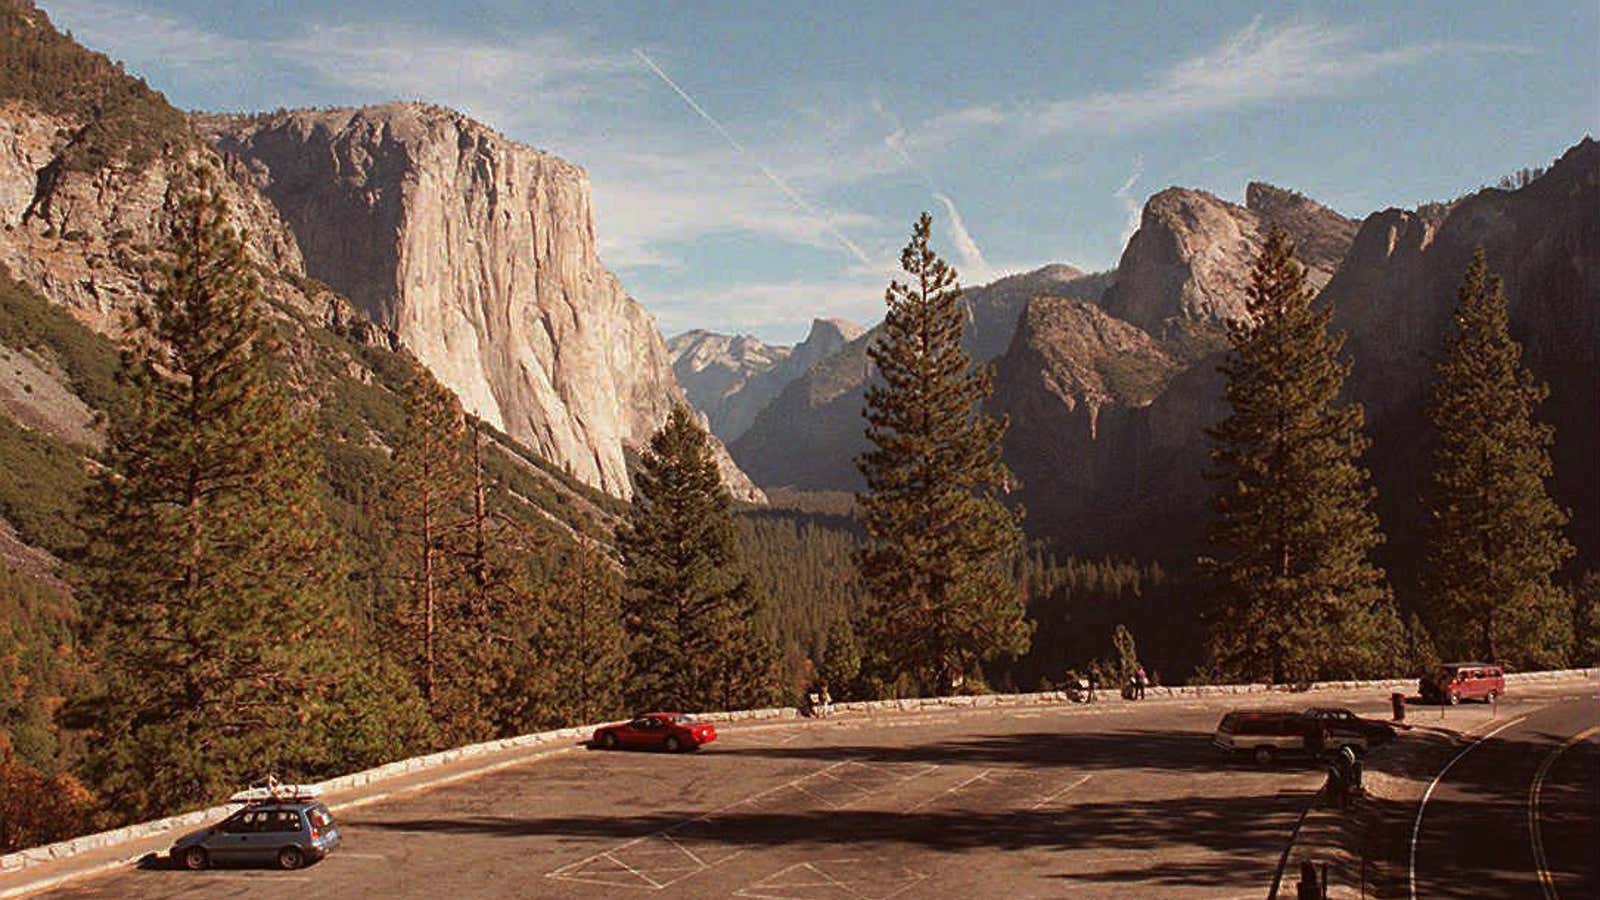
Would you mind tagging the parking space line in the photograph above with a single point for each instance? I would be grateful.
(947, 792)
(1059, 793)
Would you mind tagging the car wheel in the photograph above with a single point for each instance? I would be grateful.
(672, 744)
(291, 858)
(1453, 698)
(1263, 756)
(608, 741)
(196, 858)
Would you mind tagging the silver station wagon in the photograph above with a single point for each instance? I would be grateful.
(288, 834)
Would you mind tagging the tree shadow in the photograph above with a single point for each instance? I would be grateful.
(1125, 749)
(1237, 833)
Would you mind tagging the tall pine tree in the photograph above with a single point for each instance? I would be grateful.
(1298, 596)
(1494, 534)
(940, 545)
(430, 630)
(690, 613)
(214, 580)
(578, 653)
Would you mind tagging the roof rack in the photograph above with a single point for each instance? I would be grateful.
(274, 791)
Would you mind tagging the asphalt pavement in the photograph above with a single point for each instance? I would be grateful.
(1042, 801)
(1517, 815)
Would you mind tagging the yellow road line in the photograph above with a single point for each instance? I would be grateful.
(1535, 831)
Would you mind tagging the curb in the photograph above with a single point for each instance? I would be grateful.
(14, 863)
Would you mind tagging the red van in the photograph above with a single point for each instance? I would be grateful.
(1454, 682)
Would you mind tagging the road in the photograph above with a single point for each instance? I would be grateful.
(1533, 786)
(1016, 801)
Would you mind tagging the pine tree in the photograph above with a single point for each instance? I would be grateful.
(572, 659)
(214, 581)
(427, 500)
(1298, 596)
(940, 545)
(690, 613)
(1494, 534)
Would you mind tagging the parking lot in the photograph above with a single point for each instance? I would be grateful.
(1030, 801)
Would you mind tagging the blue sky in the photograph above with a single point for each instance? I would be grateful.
(1032, 131)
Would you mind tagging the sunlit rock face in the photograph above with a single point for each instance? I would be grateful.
(480, 253)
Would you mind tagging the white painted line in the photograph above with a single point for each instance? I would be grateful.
(1535, 827)
(1053, 796)
(942, 794)
(1416, 827)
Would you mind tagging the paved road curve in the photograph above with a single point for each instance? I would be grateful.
(1022, 802)
(1488, 825)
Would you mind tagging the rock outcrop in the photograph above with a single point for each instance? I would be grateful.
(731, 378)
(480, 254)
(1188, 265)
(1395, 294)
(811, 434)
(82, 236)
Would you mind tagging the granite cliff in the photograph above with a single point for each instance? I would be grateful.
(731, 378)
(811, 433)
(479, 253)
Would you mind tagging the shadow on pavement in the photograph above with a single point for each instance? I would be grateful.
(1128, 749)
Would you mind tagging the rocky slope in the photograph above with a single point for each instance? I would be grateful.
(731, 378)
(1394, 296)
(480, 254)
(811, 433)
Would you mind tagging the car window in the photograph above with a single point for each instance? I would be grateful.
(320, 817)
(235, 824)
(284, 820)
(639, 724)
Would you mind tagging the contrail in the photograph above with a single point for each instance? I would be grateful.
(779, 183)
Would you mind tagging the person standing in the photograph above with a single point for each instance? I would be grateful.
(1094, 682)
(1139, 681)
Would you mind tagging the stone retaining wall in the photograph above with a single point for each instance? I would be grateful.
(22, 859)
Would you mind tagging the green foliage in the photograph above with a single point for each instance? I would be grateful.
(690, 612)
(214, 580)
(1494, 535)
(39, 670)
(428, 488)
(1076, 603)
(1586, 620)
(41, 481)
(577, 653)
(940, 545)
(1125, 655)
(840, 663)
(802, 569)
(120, 119)
(1421, 657)
(89, 360)
(1297, 595)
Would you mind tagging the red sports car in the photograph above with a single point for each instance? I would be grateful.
(668, 731)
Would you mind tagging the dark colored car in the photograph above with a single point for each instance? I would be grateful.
(658, 730)
(1264, 734)
(288, 834)
(1343, 728)
(1454, 682)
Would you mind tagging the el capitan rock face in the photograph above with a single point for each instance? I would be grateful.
(480, 253)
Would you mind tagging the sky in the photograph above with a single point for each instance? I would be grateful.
(758, 164)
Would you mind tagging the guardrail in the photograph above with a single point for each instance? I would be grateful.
(22, 859)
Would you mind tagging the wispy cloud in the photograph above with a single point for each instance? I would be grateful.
(783, 186)
(1130, 202)
(974, 268)
(1257, 65)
